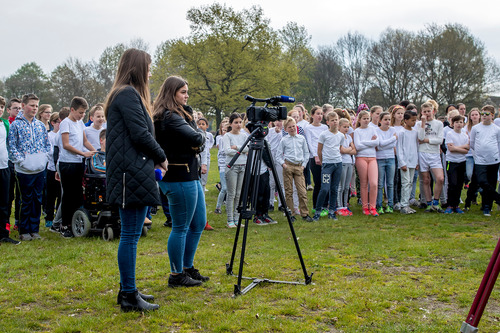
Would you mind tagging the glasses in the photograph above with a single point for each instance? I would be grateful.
(485, 113)
(16, 108)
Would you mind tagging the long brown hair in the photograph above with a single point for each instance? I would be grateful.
(166, 98)
(133, 70)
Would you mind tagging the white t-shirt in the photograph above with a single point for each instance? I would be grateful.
(331, 146)
(52, 139)
(387, 142)
(497, 121)
(93, 136)
(485, 140)
(312, 135)
(458, 139)
(4, 155)
(347, 158)
(75, 130)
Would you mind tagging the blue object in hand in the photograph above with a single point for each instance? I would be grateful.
(158, 176)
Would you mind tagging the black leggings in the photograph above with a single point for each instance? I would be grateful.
(72, 197)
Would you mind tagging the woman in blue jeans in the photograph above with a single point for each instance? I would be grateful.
(132, 153)
(177, 134)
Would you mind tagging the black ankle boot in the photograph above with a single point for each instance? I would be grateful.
(193, 273)
(133, 302)
(182, 280)
(147, 298)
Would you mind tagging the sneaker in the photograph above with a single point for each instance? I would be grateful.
(437, 208)
(194, 274)
(486, 212)
(458, 210)
(55, 228)
(412, 211)
(9, 240)
(36, 235)
(373, 212)
(389, 210)
(182, 280)
(271, 208)
(259, 220)
(380, 211)
(293, 219)
(67, 233)
(316, 217)
(310, 188)
(269, 220)
(230, 224)
(397, 206)
(25, 237)
(218, 211)
(342, 212)
(332, 216)
(208, 227)
(448, 210)
(48, 224)
(236, 224)
(307, 218)
(428, 209)
(366, 211)
(296, 211)
(324, 212)
(349, 211)
(281, 208)
(466, 209)
(414, 202)
(405, 210)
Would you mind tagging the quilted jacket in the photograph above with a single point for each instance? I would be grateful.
(131, 152)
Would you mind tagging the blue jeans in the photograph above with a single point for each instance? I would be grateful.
(31, 188)
(330, 179)
(223, 189)
(386, 170)
(187, 208)
(132, 220)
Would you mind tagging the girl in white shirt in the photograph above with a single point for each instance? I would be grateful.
(386, 162)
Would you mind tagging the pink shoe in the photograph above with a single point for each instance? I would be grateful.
(373, 212)
(366, 211)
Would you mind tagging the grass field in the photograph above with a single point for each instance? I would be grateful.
(394, 273)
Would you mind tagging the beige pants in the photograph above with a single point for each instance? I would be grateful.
(293, 172)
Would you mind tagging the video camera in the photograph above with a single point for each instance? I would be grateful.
(266, 113)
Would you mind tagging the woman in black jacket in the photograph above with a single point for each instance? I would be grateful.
(132, 154)
(177, 134)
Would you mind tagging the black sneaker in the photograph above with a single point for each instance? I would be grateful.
(193, 273)
(307, 218)
(182, 280)
(168, 222)
(9, 240)
(67, 233)
(55, 228)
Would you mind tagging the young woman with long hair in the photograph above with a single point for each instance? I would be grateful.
(132, 153)
(178, 135)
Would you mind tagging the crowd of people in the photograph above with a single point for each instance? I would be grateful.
(374, 155)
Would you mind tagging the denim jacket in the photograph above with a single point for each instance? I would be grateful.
(28, 145)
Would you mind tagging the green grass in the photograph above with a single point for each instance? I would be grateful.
(394, 273)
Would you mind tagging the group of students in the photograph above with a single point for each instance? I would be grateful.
(41, 163)
(376, 155)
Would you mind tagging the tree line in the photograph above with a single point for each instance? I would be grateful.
(231, 53)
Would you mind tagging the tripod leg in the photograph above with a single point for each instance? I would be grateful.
(308, 278)
(484, 292)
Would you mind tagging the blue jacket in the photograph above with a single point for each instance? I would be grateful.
(28, 145)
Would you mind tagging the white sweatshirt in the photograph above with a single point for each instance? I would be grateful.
(407, 148)
(312, 135)
(434, 132)
(363, 142)
(387, 143)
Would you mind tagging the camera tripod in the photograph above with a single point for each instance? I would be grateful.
(483, 293)
(248, 203)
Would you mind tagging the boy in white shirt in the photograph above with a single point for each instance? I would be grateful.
(73, 140)
(92, 132)
(329, 143)
(430, 137)
(485, 142)
(457, 143)
(406, 151)
(293, 155)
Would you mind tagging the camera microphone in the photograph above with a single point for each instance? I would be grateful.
(283, 99)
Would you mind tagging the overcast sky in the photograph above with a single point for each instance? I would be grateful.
(50, 31)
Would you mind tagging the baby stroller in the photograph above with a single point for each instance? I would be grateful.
(96, 215)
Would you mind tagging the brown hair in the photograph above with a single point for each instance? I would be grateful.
(382, 115)
(166, 98)
(457, 118)
(489, 108)
(54, 117)
(102, 134)
(42, 109)
(313, 111)
(133, 70)
(375, 107)
(98, 106)
(469, 122)
(360, 115)
(332, 115)
(78, 102)
(2, 101)
(426, 105)
(393, 113)
(63, 113)
(13, 100)
(28, 97)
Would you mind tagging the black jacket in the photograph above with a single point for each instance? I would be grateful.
(131, 152)
(180, 140)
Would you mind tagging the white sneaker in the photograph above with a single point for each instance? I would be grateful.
(414, 202)
(397, 206)
(230, 224)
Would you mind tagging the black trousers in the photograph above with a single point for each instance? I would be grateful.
(487, 180)
(53, 195)
(263, 194)
(456, 173)
(14, 192)
(4, 202)
(72, 191)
